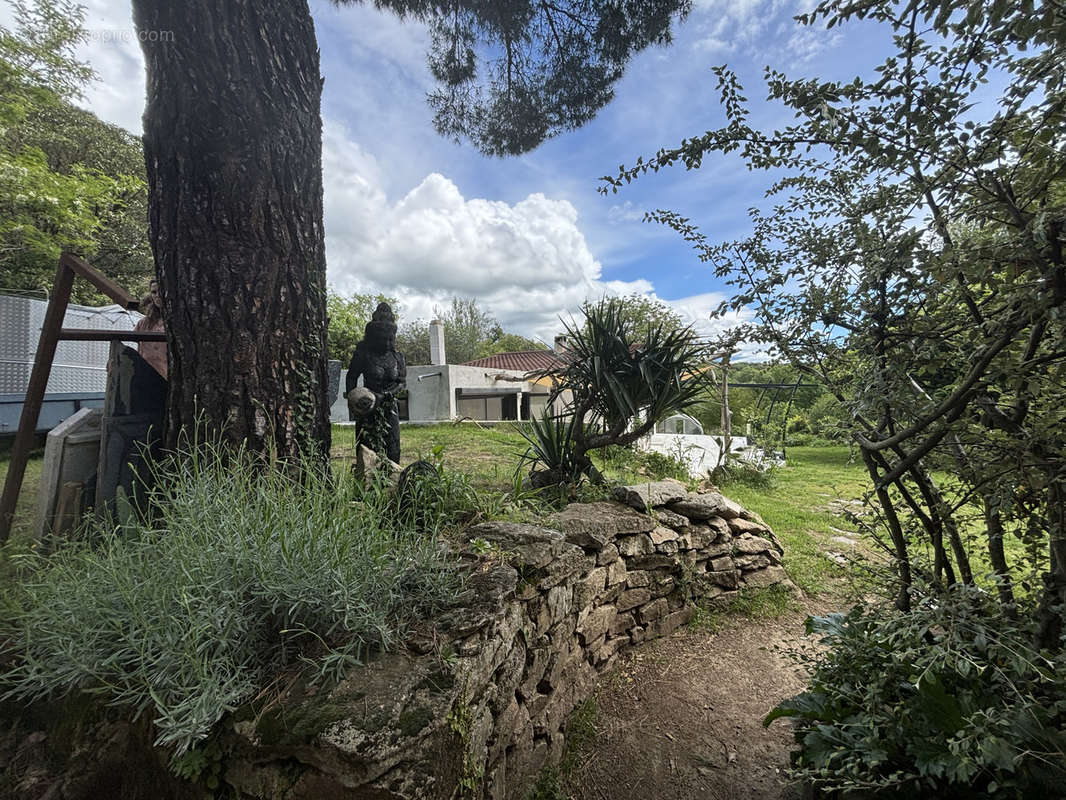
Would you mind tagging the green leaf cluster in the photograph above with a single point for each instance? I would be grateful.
(622, 379)
(470, 332)
(68, 181)
(911, 258)
(551, 449)
(347, 318)
(948, 701)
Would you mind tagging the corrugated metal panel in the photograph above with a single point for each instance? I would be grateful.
(78, 366)
(14, 325)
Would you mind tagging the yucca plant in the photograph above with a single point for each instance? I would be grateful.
(623, 383)
(551, 449)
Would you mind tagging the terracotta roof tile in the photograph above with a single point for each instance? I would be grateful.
(522, 361)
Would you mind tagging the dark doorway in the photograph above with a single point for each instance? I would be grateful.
(510, 406)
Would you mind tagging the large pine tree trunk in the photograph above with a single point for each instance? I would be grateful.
(233, 148)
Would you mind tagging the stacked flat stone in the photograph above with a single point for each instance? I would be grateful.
(482, 699)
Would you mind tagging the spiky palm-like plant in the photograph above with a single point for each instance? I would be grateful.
(551, 449)
(622, 383)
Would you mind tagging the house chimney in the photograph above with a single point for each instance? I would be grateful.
(560, 344)
(436, 343)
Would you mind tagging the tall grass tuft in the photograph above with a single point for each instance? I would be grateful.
(240, 571)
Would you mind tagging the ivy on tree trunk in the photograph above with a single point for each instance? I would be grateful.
(233, 150)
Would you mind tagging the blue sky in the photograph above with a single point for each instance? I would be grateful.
(416, 216)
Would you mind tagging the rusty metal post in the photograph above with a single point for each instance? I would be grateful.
(727, 415)
(31, 409)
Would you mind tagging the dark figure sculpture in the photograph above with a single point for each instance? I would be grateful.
(384, 371)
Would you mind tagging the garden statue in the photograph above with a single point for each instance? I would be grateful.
(384, 372)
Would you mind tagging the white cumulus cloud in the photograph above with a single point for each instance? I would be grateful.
(527, 263)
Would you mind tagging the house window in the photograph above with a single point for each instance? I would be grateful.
(473, 407)
(488, 407)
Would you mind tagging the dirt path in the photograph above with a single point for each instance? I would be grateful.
(681, 719)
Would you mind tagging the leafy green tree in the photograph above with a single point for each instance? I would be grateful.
(470, 332)
(412, 339)
(499, 341)
(913, 258)
(67, 179)
(348, 317)
(827, 417)
(466, 327)
(250, 149)
(643, 314)
(40, 53)
(913, 261)
(764, 408)
(70, 136)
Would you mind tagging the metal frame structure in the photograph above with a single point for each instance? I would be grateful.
(52, 332)
(778, 388)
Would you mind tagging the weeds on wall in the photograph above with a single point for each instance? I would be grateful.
(239, 571)
(633, 465)
(766, 603)
(580, 734)
(429, 495)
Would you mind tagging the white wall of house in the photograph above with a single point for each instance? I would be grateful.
(450, 391)
(538, 402)
(429, 393)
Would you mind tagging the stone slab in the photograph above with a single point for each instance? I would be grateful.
(644, 496)
(595, 525)
(71, 454)
(706, 505)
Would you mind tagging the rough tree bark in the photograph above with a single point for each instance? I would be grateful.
(233, 149)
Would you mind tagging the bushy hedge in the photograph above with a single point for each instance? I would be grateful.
(948, 701)
(240, 571)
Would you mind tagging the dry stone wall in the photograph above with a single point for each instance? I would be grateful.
(479, 704)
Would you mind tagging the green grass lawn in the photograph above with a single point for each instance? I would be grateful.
(802, 505)
(488, 454)
(27, 504)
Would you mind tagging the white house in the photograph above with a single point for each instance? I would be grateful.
(494, 388)
(497, 387)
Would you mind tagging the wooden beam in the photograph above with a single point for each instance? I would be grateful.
(68, 509)
(31, 408)
(99, 280)
(727, 415)
(95, 335)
